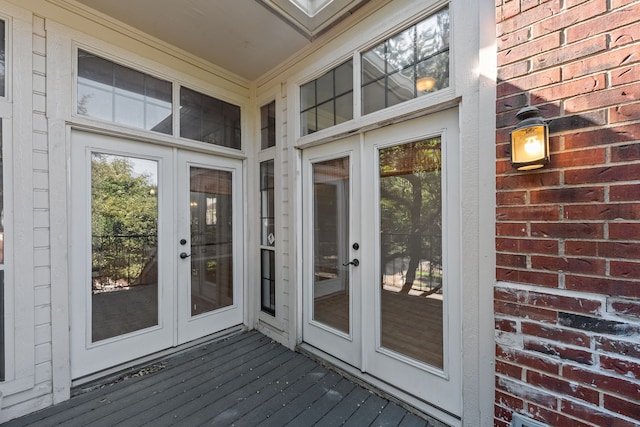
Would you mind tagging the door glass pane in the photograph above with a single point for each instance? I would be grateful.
(411, 250)
(124, 244)
(330, 236)
(211, 240)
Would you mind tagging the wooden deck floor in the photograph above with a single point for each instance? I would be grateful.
(244, 380)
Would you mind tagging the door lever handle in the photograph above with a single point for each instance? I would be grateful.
(184, 255)
(355, 263)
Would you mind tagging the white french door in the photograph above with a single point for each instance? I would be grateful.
(156, 253)
(332, 267)
(210, 273)
(399, 320)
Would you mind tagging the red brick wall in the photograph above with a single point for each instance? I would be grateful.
(567, 301)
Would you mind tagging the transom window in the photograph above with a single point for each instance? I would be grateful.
(410, 64)
(118, 94)
(327, 100)
(207, 119)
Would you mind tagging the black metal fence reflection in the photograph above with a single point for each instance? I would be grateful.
(120, 261)
(397, 259)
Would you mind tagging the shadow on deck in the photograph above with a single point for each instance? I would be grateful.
(244, 380)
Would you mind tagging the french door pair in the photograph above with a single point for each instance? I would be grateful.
(381, 282)
(156, 247)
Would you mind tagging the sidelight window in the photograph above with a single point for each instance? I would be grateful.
(268, 125)
(3, 59)
(267, 209)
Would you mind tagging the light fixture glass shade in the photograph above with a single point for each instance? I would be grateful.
(425, 84)
(530, 141)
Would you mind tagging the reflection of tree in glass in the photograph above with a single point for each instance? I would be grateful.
(82, 105)
(408, 65)
(124, 217)
(426, 46)
(410, 206)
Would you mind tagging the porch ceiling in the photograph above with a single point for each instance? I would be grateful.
(246, 37)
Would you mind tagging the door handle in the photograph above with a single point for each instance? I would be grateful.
(355, 263)
(184, 255)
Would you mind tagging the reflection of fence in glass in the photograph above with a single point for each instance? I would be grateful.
(121, 261)
(428, 274)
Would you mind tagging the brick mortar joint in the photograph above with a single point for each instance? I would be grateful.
(561, 396)
(562, 363)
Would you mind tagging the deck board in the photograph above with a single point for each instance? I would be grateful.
(243, 380)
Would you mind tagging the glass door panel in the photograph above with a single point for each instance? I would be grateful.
(331, 286)
(411, 250)
(332, 271)
(209, 246)
(122, 267)
(135, 288)
(211, 240)
(411, 306)
(124, 245)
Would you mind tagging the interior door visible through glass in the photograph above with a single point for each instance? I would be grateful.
(211, 239)
(331, 287)
(331, 266)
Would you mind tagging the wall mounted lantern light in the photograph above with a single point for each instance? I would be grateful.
(529, 140)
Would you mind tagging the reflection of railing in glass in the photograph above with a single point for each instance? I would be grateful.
(123, 261)
(428, 274)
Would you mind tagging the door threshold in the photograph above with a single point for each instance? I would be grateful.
(436, 416)
(98, 379)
